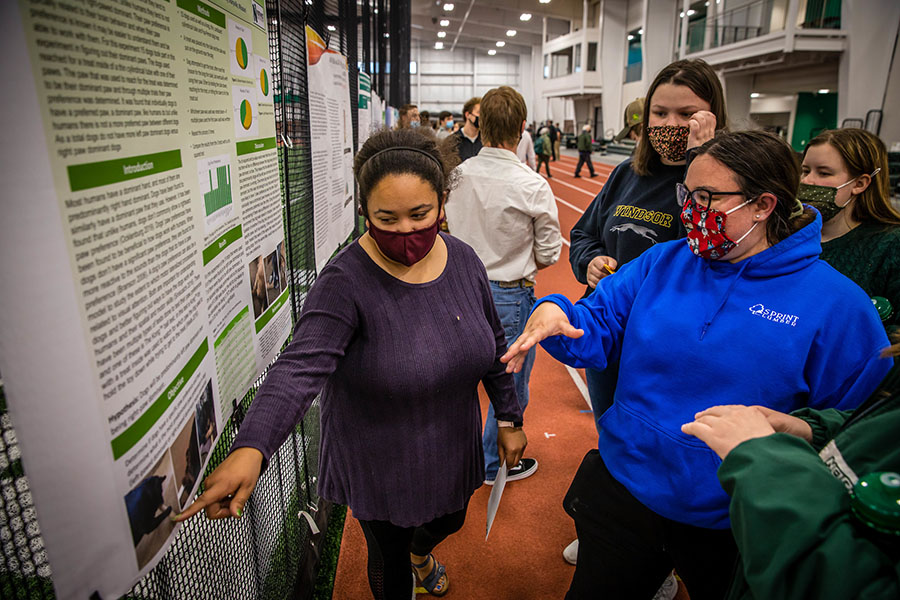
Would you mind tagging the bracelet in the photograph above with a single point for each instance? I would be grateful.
(509, 423)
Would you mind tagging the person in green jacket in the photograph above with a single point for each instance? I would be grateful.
(845, 177)
(543, 150)
(585, 145)
(790, 479)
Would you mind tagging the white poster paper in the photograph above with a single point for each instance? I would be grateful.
(143, 189)
(331, 133)
(365, 107)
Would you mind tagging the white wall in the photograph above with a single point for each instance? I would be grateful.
(871, 25)
(446, 80)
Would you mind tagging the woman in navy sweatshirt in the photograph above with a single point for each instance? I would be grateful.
(744, 312)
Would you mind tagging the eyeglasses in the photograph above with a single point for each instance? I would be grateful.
(702, 198)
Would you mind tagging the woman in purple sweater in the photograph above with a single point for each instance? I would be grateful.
(396, 333)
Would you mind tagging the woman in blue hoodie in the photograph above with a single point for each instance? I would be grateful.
(743, 313)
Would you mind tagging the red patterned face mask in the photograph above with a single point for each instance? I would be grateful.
(669, 141)
(706, 229)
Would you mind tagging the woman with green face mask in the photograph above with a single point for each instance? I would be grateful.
(845, 177)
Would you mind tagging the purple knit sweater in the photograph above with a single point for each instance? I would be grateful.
(398, 366)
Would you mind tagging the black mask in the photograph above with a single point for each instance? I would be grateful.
(475, 123)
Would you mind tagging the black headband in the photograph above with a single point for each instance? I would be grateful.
(411, 149)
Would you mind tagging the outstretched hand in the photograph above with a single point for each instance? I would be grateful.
(547, 320)
(228, 487)
(703, 128)
(722, 428)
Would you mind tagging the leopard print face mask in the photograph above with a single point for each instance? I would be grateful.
(669, 141)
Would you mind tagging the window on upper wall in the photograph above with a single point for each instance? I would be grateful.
(634, 61)
(546, 66)
(561, 62)
(578, 58)
(592, 56)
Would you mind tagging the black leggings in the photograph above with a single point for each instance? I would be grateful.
(390, 574)
(625, 550)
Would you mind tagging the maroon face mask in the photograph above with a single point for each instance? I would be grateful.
(405, 248)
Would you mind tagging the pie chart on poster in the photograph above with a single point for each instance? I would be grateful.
(240, 53)
(246, 115)
(264, 82)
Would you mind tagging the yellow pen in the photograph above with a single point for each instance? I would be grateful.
(611, 272)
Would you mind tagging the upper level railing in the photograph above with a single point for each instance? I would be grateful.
(757, 19)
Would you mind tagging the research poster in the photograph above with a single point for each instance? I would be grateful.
(331, 143)
(365, 107)
(142, 214)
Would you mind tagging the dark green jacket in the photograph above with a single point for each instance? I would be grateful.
(584, 142)
(790, 511)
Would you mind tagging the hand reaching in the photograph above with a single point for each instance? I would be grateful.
(547, 320)
(228, 487)
(722, 428)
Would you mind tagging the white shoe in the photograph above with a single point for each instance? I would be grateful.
(571, 553)
(668, 590)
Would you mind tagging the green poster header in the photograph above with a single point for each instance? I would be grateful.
(204, 11)
(131, 436)
(264, 318)
(91, 175)
(251, 146)
(220, 244)
(237, 319)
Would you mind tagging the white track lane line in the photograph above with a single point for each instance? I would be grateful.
(580, 384)
(572, 206)
(577, 189)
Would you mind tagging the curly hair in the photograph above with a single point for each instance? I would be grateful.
(411, 156)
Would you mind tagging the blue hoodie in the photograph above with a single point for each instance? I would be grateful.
(781, 329)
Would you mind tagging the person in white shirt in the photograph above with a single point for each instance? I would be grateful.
(525, 150)
(445, 124)
(507, 213)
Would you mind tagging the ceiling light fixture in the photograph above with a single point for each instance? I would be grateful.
(500, 44)
(641, 31)
(448, 6)
(442, 34)
(630, 37)
(824, 91)
(445, 22)
(544, 1)
(492, 52)
(691, 12)
(525, 17)
(681, 15)
(510, 33)
(332, 28)
(754, 94)
(439, 45)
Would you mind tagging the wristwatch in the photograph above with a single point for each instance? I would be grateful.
(509, 423)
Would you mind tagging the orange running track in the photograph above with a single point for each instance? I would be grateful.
(522, 559)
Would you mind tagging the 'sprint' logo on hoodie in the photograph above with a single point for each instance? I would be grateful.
(766, 313)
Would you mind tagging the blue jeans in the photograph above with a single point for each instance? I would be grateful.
(601, 387)
(513, 305)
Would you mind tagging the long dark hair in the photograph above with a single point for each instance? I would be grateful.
(700, 78)
(763, 163)
(438, 170)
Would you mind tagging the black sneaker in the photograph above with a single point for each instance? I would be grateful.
(525, 468)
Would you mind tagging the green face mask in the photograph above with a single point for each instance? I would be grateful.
(823, 197)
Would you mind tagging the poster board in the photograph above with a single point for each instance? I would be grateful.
(331, 145)
(144, 189)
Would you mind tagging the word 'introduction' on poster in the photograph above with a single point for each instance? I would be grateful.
(147, 167)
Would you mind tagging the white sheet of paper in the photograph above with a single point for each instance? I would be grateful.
(494, 500)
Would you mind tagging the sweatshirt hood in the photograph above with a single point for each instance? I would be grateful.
(791, 254)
